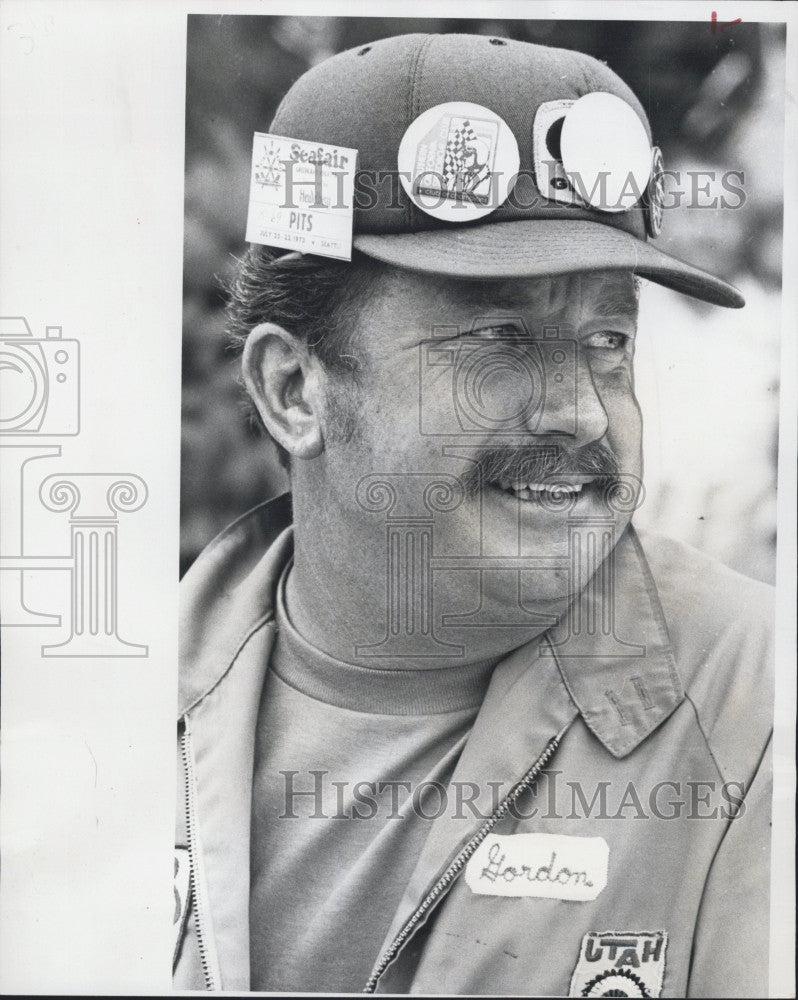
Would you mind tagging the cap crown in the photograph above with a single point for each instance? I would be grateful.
(366, 98)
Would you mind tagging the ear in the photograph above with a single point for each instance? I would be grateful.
(285, 383)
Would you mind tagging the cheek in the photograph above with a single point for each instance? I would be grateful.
(625, 424)
(373, 425)
(391, 405)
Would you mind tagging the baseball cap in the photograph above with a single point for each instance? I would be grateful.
(455, 113)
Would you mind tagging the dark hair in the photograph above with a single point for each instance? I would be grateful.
(316, 299)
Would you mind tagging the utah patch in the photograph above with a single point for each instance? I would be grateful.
(620, 964)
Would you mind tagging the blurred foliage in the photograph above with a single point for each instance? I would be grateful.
(714, 100)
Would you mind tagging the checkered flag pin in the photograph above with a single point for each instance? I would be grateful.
(455, 149)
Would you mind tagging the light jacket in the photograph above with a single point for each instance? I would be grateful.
(647, 763)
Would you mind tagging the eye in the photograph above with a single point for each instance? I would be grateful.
(499, 331)
(607, 340)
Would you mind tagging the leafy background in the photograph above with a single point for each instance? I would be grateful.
(707, 380)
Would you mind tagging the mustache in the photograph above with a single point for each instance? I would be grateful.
(539, 462)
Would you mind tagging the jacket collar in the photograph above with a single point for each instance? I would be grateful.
(228, 594)
(614, 651)
(621, 675)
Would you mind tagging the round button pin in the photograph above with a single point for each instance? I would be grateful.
(606, 152)
(458, 161)
(655, 194)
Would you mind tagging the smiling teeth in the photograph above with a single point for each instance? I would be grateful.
(557, 489)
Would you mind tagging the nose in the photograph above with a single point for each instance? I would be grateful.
(570, 402)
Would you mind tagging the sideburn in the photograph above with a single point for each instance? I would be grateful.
(341, 424)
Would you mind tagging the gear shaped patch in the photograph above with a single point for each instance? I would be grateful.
(616, 984)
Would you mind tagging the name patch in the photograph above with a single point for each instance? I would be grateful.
(620, 964)
(301, 196)
(546, 865)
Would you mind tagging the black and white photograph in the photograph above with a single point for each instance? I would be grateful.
(398, 479)
(480, 715)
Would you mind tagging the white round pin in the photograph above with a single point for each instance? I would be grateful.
(606, 152)
(655, 194)
(458, 161)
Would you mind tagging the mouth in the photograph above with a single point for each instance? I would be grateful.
(565, 487)
(548, 477)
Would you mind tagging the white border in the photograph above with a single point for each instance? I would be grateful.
(92, 219)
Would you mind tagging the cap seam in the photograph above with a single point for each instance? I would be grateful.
(412, 109)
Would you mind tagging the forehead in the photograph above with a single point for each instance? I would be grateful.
(601, 293)
(604, 290)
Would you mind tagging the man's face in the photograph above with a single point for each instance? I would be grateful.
(494, 414)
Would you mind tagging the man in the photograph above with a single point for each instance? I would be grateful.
(447, 722)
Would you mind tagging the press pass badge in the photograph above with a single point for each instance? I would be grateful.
(301, 196)
(458, 161)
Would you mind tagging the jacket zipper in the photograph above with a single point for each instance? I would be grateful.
(457, 865)
(199, 905)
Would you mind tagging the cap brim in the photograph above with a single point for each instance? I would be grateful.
(540, 248)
